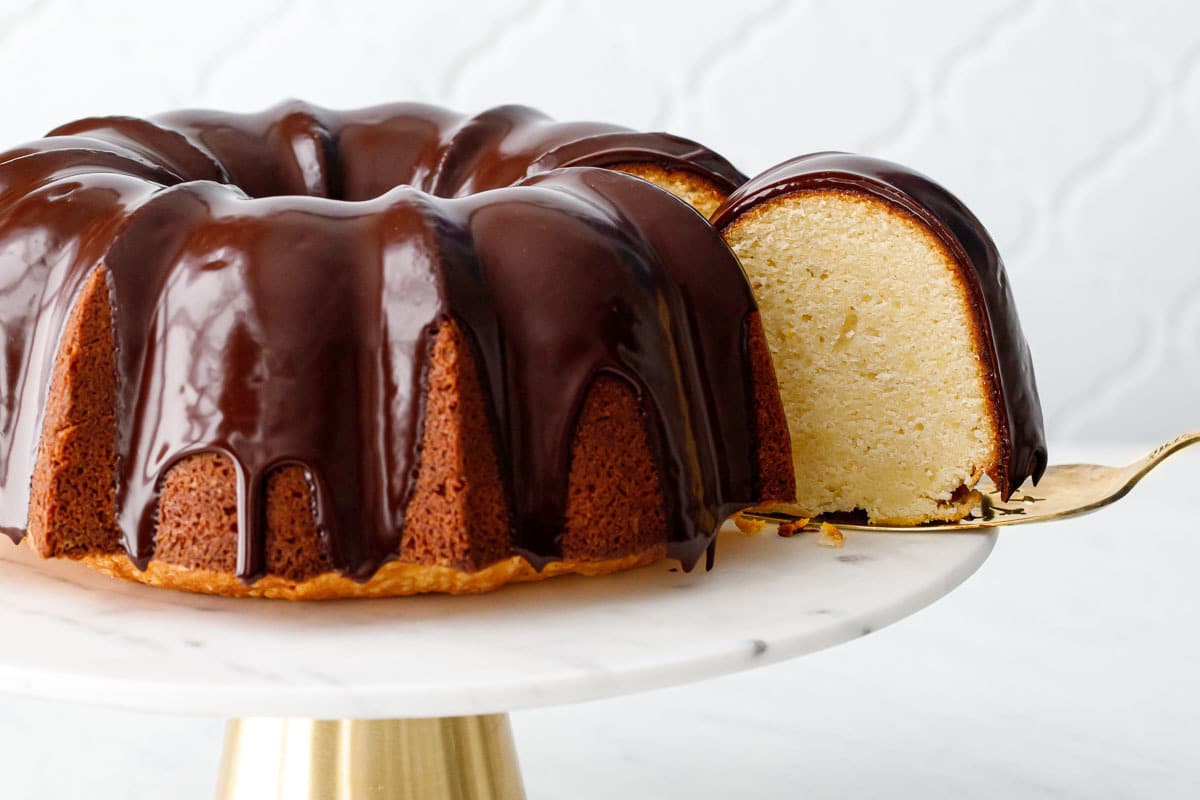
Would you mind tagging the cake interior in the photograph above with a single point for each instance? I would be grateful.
(877, 354)
(700, 194)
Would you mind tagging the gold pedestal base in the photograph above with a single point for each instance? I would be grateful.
(451, 758)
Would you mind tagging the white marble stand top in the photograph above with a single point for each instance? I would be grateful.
(72, 634)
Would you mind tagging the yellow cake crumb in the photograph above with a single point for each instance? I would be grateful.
(749, 525)
(831, 536)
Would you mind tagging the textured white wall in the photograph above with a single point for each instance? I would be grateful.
(1070, 127)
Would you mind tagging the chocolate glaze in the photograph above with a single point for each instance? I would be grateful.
(562, 252)
(259, 315)
(1010, 373)
(60, 202)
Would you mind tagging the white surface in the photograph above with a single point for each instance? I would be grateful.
(1065, 668)
(72, 634)
(1069, 126)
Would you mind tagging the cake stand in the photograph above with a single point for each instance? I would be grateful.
(408, 698)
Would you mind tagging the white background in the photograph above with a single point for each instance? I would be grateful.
(1071, 128)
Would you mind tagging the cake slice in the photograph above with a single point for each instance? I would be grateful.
(903, 370)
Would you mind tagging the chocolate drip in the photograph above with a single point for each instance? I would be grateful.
(1010, 363)
(279, 332)
(295, 330)
(60, 200)
(606, 303)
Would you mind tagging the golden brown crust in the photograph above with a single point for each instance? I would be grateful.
(393, 579)
(72, 508)
(197, 514)
(615, 503)
(458, 515)
(776, 474)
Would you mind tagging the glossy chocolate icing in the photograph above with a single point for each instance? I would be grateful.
(1010, 372)
(259, 315)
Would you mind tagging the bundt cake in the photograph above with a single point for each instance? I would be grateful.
(903, 370)
(311, 354)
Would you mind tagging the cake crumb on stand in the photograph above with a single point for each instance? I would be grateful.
(831, 536)
(749, 525)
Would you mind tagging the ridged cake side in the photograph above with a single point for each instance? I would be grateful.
(666, 425)
(455, 537)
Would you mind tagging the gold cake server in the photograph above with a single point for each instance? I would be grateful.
(1065, 490)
